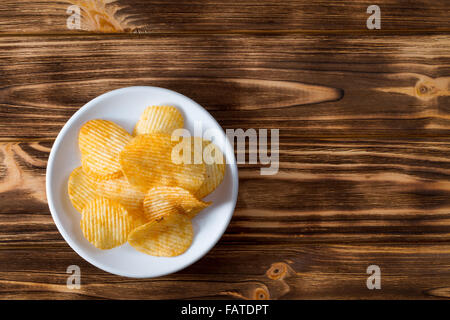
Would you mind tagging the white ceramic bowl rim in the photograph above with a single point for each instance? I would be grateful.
(54, 205)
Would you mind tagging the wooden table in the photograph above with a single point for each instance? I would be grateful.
(364, 119)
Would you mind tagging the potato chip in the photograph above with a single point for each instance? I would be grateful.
(147, 162)
(120, 190)
(81, 189)
(159, 119)
(215, 169)
(105, 223)
(166, 237)
(88, 162)
(202, 150)
(161, 201)
(100, 143)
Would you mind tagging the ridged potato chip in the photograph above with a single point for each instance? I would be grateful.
(144, 189)
(100, 143)
(105, 223)
(166, 237)
(120, 190)
(159, 119)
(89, 163)
(202, 150)
(161, 201)
(81, 188)
(215, 169)
(147, 162)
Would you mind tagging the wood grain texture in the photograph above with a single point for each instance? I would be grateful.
(364, 147)
(327, 191)
(243, 271)
(144, 16)
(319, 86)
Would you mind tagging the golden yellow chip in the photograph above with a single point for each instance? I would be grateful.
(130, 197)
(215, 169)
(105, 223)
(166, 237)
(88, 162)
(161, 201)
(100, 143)
(147, 162)
(81, 189)
(121, 191)
(159, 119)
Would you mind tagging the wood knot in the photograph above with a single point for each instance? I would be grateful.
(443, 292)
(277, 271)
(426, 90)
(261, 294)
(429, 88)
(101, 16)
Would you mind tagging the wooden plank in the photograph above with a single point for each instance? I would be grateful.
(235, 271)
(144, 16)
(364, 170)
(321, 86)
(333, 191)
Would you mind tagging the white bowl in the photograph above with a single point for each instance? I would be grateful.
(124, 107)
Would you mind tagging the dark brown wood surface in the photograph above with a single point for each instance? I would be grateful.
(364, 119)
(175, 16)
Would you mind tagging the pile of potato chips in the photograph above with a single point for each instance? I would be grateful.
(140, 188)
